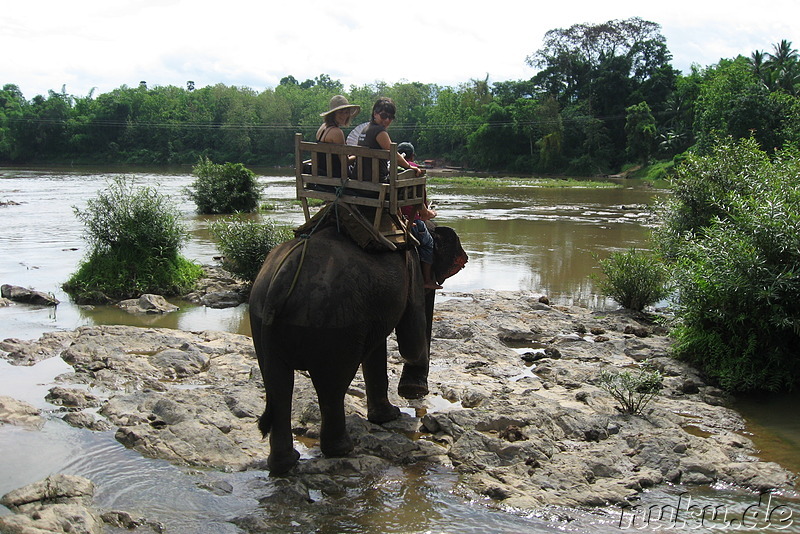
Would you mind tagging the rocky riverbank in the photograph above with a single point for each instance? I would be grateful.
(515, 407)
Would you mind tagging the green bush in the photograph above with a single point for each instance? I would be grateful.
(134, 237)
(245, 243)
(119, 275)
(223, 188)
(734, 231)
(634, 279)
(633, 390)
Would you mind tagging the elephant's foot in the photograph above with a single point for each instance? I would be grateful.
(340, 447)
(413, 382)
(281, 463)
(384, 414)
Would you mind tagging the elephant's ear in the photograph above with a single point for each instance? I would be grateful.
(448, 256)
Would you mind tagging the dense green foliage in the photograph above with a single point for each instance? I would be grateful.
(223, 188)
(135, 235)
(245, 243)
(601, 95)
(732, 230)
(634, 279)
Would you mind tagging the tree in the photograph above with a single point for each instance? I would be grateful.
(733, 102)
(784, 67)
(571, 58)
(595, 72)
(640, 127)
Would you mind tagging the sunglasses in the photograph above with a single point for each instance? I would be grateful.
(385, 115)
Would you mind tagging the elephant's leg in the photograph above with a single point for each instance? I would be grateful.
(277, 417)
(413, 381)
(376, 380)
(331, 386)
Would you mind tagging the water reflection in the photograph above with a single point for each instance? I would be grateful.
(189, 317)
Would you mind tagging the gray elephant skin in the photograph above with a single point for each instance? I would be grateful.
(324, 305)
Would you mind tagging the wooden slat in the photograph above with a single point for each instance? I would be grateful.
(403, 189)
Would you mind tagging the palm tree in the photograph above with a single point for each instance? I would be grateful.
(784, 63)
(759, 62)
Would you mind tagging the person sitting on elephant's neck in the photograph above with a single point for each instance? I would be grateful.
(376, 136)
(417, 215)
(340, 113)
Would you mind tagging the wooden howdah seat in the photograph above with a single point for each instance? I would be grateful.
(387, 196)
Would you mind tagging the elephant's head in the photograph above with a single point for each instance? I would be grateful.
(448, 255)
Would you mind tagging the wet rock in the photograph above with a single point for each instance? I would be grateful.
(91, 298)
(62, 504)
(527, 435)
(147, 303)
(71, 398)
(27, 296)
(55, 489)
(87, 421)
(218, 288)
(222, 299)
(59, 503)
(19, 413)
(29, 352)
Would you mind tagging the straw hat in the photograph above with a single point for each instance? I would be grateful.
(339, 102)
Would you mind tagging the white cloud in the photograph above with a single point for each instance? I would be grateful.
(96, 43)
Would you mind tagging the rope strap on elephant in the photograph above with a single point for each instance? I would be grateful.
(304, 243)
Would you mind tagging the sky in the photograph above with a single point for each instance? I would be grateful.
(99, 45)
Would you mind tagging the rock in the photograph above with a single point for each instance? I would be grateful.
(86, 420)
(71, 398)
(219, 289)
(19, 413)
(180, 363)
(27, 296)
(92, 298)
(62, 504)
(147, 303)
(55, 489)
(222, 299)
(638, 331)
(527, 435)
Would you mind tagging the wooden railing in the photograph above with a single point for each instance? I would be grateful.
(361, 182)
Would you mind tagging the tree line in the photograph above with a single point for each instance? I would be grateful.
(602, 96)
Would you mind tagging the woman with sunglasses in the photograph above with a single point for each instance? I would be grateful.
(376, 136)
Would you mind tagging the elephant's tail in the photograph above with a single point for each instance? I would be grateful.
(265, 421)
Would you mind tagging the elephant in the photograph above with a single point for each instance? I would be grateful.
(322, 304)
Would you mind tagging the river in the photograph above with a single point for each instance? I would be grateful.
(546, 240)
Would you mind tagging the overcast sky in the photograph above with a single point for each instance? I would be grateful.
(103, 44)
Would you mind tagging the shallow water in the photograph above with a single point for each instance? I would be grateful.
(543, 240)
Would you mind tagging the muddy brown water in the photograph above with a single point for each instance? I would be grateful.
(546, 240)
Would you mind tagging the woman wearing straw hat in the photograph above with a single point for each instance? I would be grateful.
(340, 113)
